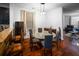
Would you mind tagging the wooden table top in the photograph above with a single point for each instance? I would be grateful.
(4, 34)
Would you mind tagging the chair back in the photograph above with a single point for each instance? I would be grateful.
(40, 30)
(59, 33)
(19, 27)
(48, 45)
(30, 31)
(50, 29)
(58, 38)
(31, 39)
(48, 41)
(18, 32)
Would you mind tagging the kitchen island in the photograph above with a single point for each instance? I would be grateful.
(5, 37)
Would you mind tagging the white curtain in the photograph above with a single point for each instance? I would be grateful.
(27, 17)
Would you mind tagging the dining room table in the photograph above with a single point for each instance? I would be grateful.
(41, 36)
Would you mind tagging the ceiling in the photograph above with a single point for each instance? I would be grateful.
(38, 6)
(6, 5)
(67, 7)
(71, 8)
(47, 6)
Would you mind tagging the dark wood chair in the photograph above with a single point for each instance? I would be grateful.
(19, 31)
(18, 38)
(40, 30)
(50, 30)
(16, 46)
(34, 44)
(15, 50)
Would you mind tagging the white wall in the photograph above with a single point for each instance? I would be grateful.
(15, 14)
(65, 21)
(54, 19)
(15, 9)
(51, 18)
(11, 15)
(75, 20)
(39, 20)
(74, 17)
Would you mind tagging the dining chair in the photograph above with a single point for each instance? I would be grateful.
(34, 44)
(31, 39)
(40, 30)
(14, 50)
(58, 42)
(18, 32)
(48, 45)
(17, 40)
(57, 39)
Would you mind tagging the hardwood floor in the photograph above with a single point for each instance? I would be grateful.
(66, 49)
(69, 49)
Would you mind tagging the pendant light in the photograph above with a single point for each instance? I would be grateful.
(43, 8)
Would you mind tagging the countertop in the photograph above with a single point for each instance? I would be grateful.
(4, 34)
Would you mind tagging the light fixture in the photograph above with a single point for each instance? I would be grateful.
(43, 8)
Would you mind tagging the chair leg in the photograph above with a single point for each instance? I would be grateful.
(47, 52)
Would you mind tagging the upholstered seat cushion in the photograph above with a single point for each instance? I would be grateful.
(16, 47)
(18, 37)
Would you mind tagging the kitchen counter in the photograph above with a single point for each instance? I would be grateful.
(4, 34)
(5, 37)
